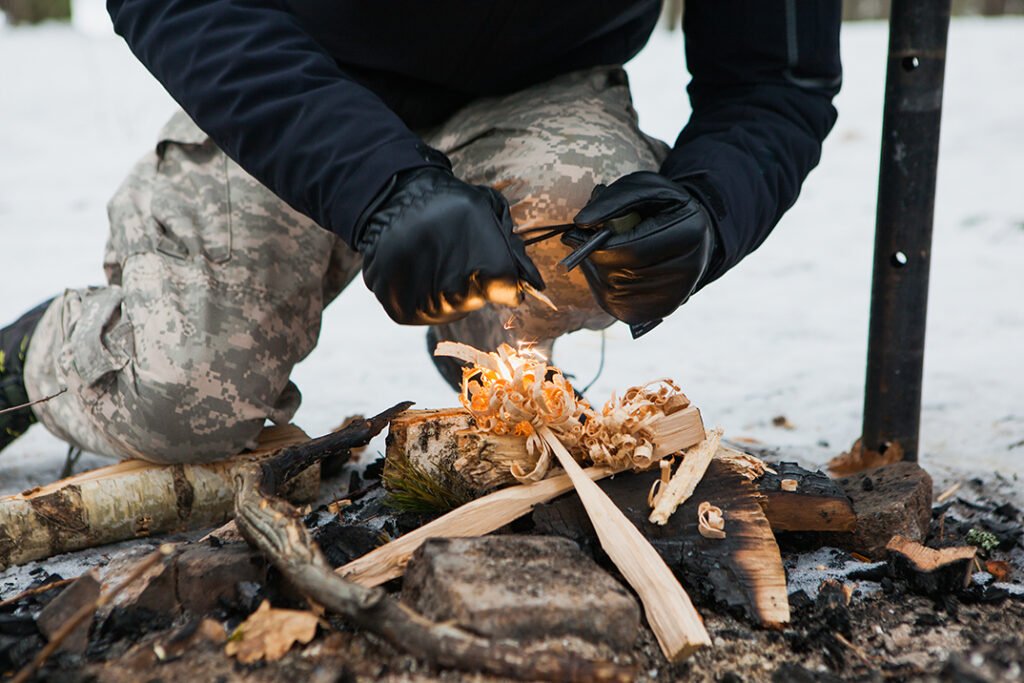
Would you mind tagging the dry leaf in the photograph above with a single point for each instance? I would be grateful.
(269, 633)
(857, 459)
(1000, 569)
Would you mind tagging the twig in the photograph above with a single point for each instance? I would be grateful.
(44, 399)
(853, 648)
(948, 493)
(45, 588)
(87, 610)
(274, 527)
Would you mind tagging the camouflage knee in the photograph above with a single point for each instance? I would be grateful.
(546, 148)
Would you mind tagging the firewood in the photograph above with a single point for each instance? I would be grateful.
(444, 445)
(679, 629)
(687, 476)
(476, 518)
(742, 571)
(274, 527)
(931, 571)
(87, 610)
(816, 503)
(132, 499)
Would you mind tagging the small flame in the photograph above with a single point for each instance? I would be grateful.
(529, 348)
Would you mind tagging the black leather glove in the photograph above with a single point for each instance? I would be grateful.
(435, 248)
(648, 272)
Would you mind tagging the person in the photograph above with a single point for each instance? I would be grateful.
(429, 145)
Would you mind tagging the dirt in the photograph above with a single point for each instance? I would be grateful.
(888, 636)
(884, 633)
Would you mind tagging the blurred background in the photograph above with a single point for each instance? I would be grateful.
(774, 352)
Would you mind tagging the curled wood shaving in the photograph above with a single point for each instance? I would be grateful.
(515, 392)
(751, 467)
(710, 522)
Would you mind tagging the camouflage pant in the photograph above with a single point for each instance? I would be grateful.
(216, 287)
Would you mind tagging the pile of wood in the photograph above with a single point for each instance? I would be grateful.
(707, 521)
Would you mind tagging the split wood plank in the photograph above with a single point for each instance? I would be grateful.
(475, 518)
(742, 571)
(679, 629)
(687, 476)
(132, 499)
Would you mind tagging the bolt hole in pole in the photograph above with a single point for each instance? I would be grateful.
(910, 63)
(898, 259)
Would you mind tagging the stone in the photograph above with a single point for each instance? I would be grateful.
(152, 594)
(888, 501)
(524, 588)
(84, 591)
(207, 577)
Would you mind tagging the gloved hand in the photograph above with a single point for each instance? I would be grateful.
(648, 272)
(435, 248)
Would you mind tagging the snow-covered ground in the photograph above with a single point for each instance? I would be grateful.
(783, 334)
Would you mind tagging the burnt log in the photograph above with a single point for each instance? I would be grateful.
(743, 571)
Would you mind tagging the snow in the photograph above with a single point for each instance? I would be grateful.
(783, 334)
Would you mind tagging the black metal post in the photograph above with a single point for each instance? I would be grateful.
(903, 231)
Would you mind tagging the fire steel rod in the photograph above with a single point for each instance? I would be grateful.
(903, 224)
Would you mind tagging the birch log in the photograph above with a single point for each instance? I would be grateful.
(445, 446)
(133, 499)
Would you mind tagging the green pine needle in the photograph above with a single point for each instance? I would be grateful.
(411, 489)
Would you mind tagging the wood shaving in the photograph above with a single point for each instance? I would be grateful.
(751, 467)
(710, 522)
(788, 484)
(679, 489)
(515, 392)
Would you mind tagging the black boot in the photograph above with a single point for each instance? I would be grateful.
(14, 340)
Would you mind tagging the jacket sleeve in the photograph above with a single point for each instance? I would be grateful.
(262, 88)
(764, 73)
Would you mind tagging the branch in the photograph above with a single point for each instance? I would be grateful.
(273, 526)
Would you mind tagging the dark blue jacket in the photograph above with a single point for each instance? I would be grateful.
(318, 98)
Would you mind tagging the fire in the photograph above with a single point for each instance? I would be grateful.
(515, 391)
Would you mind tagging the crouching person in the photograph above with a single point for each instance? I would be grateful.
(318, 141)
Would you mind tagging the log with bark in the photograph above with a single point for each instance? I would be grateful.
(444, 446)
(133, 499)
(274, 527)
(464, 464)
(813, 502)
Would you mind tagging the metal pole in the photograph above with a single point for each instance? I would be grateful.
(903, 228)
